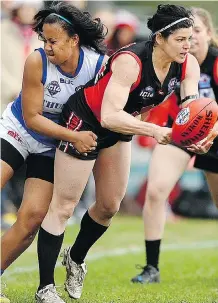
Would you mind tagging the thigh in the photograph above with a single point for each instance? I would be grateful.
(212, 180)
(111, 172)
(70, 177)
(167, 164)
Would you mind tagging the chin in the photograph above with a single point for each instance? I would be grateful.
(180, 60)
(52, 59)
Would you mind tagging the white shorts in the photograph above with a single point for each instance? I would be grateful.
(13, 132)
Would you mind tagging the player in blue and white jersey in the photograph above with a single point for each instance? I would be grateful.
(72, 55)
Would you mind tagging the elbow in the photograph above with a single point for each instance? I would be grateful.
(29, 122)
(106, 122)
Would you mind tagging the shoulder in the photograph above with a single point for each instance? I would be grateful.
(34, 60)
(125, 59)
(191, 60)
(213, 51)
(192, 65)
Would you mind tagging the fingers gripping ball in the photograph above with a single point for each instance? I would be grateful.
(194, 122)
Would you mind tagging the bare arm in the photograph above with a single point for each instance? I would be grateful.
(32, 102)
(189, 86)
(125, 71)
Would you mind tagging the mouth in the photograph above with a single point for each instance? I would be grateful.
(50, 54)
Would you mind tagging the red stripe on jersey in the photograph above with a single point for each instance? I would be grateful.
(184, 68)
(215, 71)
(94, 94)
(139, 63)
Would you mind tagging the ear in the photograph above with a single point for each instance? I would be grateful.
(159, 39)
(75, 40)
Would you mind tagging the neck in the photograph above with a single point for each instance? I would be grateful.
(70, 65)
(201, 55)
(160, 59)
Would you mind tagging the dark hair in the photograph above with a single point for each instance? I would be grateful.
(91, 32)
(166, 14)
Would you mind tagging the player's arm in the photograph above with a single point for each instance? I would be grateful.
(125, 71)
(32, 103)
(189, 86)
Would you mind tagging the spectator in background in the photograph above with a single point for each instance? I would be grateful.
(80, 4)
(6, 8)
(19, 41)
(107, 17)
(126, 26)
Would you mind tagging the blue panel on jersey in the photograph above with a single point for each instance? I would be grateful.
(98, 64)
(17, 110)
(44, 64)
(79, 66)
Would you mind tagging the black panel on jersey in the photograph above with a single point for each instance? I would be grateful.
(106, 138)
(207, 81)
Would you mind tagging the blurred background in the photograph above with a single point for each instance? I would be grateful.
(126, 23)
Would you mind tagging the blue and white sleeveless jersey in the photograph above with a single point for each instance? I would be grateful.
(58, 87)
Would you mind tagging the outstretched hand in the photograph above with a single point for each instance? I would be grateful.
(204, 146)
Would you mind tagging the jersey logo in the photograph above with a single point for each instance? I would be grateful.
(66, 81)
(204, 86)
(15, 135)
(147, 92)
(74, 122)
(172, 85)
(53, 88)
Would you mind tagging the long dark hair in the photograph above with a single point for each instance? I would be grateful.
(166, 14)
(91, 32)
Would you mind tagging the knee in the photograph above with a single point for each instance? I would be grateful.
(64, 210)
(157, 192)
(109, 210)
(30, 221)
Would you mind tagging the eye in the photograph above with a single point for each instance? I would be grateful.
(53, 42)
(41, 38)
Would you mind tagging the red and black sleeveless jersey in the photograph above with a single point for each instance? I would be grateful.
(208, 84)
(146, 92)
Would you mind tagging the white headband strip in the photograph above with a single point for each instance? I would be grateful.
(169, 25)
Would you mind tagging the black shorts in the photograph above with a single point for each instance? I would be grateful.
(77, 116)
(37, 165)
(208, 161)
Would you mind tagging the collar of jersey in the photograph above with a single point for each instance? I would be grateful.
(79, 66)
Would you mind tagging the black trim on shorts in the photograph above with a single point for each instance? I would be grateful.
(11, 155)
(40, 167)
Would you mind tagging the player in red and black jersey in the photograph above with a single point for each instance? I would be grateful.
(173, 159)
(135, 78)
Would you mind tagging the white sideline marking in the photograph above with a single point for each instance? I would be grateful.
(120, 252)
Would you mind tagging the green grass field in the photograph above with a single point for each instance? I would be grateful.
(189, 266)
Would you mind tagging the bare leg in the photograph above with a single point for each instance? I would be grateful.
(71, 176)
(36, 200)
(111, 173)
(166, 167)
(6, 173)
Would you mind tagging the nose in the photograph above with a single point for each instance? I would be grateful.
(187, 45)
(47, 46)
